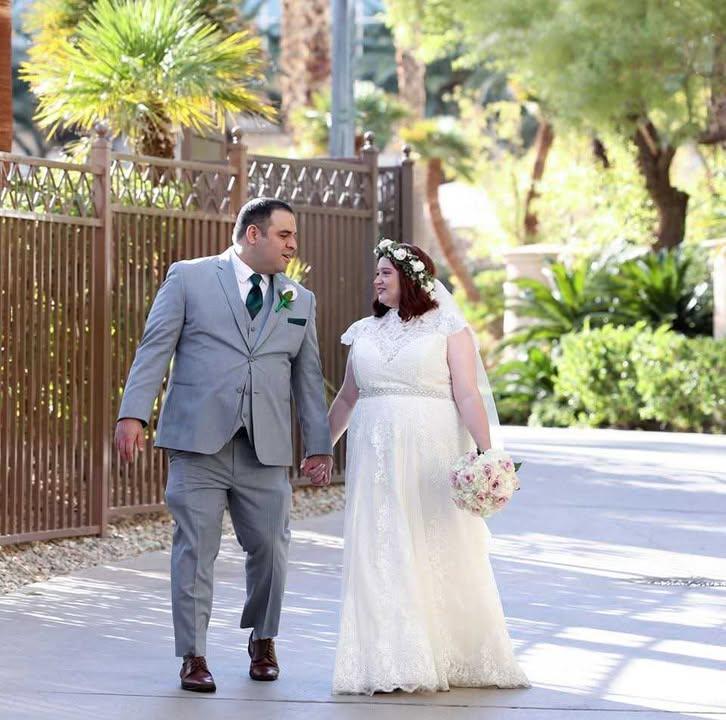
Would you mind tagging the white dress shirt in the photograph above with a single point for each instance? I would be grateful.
(244, 272)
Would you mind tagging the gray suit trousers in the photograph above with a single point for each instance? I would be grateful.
(199, 487)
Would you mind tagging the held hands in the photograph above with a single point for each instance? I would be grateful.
(318, 468)
(129, 438)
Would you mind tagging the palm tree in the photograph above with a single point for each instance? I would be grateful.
(305, 63)
(6, 77)
(443, 148)
(52, 15)
(375, 111)
(571, 299)
(410, 71)
(147, 68)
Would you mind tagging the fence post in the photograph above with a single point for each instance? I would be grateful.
(369, 155)
(100, 336)
(237, 158)
(406, 199)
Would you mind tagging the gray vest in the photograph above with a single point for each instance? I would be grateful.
(253, 328)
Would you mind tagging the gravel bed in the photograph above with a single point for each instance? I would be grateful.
(32, 562)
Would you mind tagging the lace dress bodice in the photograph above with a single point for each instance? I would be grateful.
(396, 357)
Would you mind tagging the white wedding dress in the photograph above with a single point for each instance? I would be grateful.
(420, 607)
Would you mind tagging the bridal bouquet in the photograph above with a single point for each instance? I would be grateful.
(483, 484)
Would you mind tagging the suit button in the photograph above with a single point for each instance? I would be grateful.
(252, 360)
(239, 389)
(253, 329)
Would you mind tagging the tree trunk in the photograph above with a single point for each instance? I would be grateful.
(304, 53)
(434, 178)
(654, 162)
(411, 74)
(543, 143)
(156, 139)
(6, 77)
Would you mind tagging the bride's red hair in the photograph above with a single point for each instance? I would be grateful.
(414, 300)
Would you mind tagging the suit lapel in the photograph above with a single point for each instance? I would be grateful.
(273, 318)
(228, 280)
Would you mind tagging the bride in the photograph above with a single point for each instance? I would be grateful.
(420, 607)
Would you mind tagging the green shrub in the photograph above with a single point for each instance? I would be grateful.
(661, 288)
(636, 377)
(554, 411)
(658, 288)
(595, 374)
(518, 384)
(565, 305)
(681, 381)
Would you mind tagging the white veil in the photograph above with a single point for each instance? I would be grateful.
(449, 305)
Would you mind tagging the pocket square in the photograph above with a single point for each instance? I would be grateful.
(297, 321)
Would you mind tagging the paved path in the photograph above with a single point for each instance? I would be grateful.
(601, 512)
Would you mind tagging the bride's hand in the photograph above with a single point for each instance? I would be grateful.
(318, 468)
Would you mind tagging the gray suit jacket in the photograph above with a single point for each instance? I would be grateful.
(221, 379)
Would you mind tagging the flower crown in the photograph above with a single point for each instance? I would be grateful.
(410, 264)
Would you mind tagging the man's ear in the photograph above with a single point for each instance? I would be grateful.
(252, 234)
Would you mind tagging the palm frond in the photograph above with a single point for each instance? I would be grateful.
(140, 64)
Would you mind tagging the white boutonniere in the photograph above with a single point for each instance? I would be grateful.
(287, 296)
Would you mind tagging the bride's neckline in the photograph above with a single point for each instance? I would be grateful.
(393, 316)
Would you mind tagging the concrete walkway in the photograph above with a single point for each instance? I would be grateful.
(603, 520)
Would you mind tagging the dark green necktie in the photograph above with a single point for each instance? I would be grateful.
(254, 297)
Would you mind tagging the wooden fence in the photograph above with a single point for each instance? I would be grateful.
(83, 249)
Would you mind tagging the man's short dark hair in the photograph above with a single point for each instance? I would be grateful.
(257, 212)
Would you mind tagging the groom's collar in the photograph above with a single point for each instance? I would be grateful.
(230, 256)
(242, 270)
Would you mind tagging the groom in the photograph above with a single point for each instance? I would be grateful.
(242, 339)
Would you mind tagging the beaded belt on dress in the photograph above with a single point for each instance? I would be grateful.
(409, 391)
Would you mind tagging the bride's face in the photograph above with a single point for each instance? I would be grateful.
(386, 283)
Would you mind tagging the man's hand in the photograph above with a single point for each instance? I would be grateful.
(318, 468)
(129, 438)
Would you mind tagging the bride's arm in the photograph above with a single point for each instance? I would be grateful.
(461, 355)
(342, 407)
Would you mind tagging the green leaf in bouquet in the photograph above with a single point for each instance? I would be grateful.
(518, 465)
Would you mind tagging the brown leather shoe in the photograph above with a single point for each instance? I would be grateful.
(263, 664)
(195, 675)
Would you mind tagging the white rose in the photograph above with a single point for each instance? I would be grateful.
(399, 254)
(384, 244)
(292, 290)
(418, 266)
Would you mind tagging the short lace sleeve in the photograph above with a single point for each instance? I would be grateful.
(449, 324)
(354, 331)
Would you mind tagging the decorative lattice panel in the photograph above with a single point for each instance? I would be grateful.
(305, 182)
(51, 188)
(193, 187)
(388, 182)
